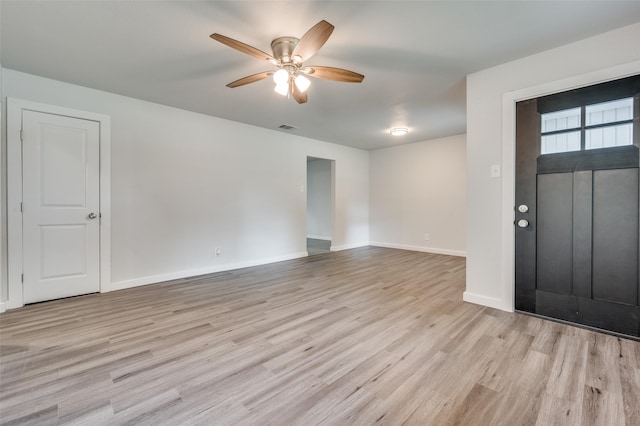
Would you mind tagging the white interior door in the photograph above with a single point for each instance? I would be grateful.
(61, 200)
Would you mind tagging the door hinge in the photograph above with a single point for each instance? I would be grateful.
(21, 278)
(21, 135)
(21, 208)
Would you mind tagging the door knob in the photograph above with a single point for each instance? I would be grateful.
(92, 215)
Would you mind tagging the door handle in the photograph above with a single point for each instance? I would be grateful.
(92, 216)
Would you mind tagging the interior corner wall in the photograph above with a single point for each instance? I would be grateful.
(419, 189)
(185, 183)
(319, 199)
(490, 212)
(3, 217)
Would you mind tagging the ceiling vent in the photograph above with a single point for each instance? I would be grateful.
(285, 127)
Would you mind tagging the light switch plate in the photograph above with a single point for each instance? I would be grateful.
(495, 170)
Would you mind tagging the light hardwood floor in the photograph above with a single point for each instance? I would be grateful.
(364, 336)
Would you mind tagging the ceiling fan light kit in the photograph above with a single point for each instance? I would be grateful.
(281, 76)
(302, 82)
(282, 89)
(289, 54)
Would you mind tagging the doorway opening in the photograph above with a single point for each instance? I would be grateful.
(320, 202)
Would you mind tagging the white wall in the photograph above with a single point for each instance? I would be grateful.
(419, 189)
(185, 183)
(490, 125)
(319, 199)
(3, 220)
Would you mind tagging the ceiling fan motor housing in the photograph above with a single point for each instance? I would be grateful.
(283, 47)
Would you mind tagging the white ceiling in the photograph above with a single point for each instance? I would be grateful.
(415, 55)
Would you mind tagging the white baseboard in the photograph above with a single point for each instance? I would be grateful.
(349, 246)
(153, 279)
(319, 237)
(434, 250)
(491, 302)
(2, 307)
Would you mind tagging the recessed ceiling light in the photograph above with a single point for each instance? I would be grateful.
(399, 131)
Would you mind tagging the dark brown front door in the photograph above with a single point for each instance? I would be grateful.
(577, 206)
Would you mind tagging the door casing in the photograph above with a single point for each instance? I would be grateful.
(15, 107)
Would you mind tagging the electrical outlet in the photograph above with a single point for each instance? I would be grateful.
(426, 237)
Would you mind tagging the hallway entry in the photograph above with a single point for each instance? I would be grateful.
(320, 202)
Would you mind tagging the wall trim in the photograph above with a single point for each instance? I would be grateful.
(348, 246)
(491, 302)
(14, 192)
(2, 307)
(509, 100)
(434, 250)
(154, 279)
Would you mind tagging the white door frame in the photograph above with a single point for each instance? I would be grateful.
(15, 107)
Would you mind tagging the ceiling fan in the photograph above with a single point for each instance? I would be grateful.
(289, 55)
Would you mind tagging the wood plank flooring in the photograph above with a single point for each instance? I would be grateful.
(364, 336)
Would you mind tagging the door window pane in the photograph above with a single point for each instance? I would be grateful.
(560, 120)
(605, 125)
(560, 142)
(610, 136)
(609, 112)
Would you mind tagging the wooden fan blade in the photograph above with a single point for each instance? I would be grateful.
(300, 97)
(313, 40)
(336, 74)
(244, 48)
(250, 79)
